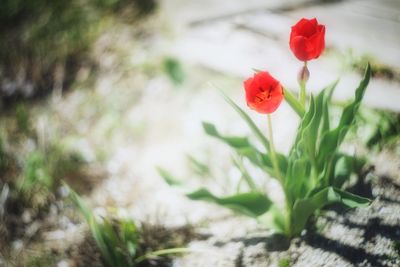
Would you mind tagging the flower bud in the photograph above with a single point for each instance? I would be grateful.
(307, 39)
(303, 75)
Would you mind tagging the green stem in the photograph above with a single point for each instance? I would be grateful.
(272, 150)
(327, 179)
(289, 220)
(302, 95)
(314, 175)
(162, 252)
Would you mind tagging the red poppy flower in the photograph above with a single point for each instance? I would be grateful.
(307, 39)
(264, 94)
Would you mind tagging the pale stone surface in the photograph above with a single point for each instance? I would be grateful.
(367, 26)
(192, 12)
(238, 43)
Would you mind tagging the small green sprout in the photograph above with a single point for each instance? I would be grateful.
(118, 240)
(173, 68)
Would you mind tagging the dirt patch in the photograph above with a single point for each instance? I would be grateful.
(152, 238)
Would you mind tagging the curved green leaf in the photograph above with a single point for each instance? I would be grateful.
(233, 141)
(275, 219)
(293, 102)
(251, 204)
(332, 139)
(249, 122)
(168, 177)
(304, 208)
(244, 148)
(238, 162)
(328, 92)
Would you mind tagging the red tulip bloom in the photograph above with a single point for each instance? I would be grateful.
(307, 39)
(264, 94)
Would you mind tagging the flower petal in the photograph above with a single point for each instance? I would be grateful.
(307, 39)
(302, 48)
(264, 93)
(306, 27)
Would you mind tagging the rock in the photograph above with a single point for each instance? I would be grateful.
(255, 256)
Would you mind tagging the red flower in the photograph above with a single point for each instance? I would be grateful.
(264, 94)
(307, 39)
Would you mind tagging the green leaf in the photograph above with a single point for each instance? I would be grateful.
(233, 141)
(197, 166)
(298, 179)
(327, 96)
(244, 148)
(251, 204)
(303, 153)
(345, 165)
(98, 231)
(245, 175)
(36, 171)
(304, 208)
(174, 70)
(129, 235)
(274, 219)
(303, 141)
(107, 237)
(332, 139)
(350, 111)
(379, 128)
(293, 102)
(282, 162)
(77, 200)
(98, 236)
(310, 132)
(249, 122)
(316, 121)
(343, 170)
(303, 169)
(168, 177)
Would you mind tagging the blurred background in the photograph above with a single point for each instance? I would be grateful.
(99, 93)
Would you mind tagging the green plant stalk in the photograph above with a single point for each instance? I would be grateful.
(287, 213)
(272, 150)
(162, 252)
(314, 174)
(289, 224)
(326, 180)
(302, 95)
(314, 170)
